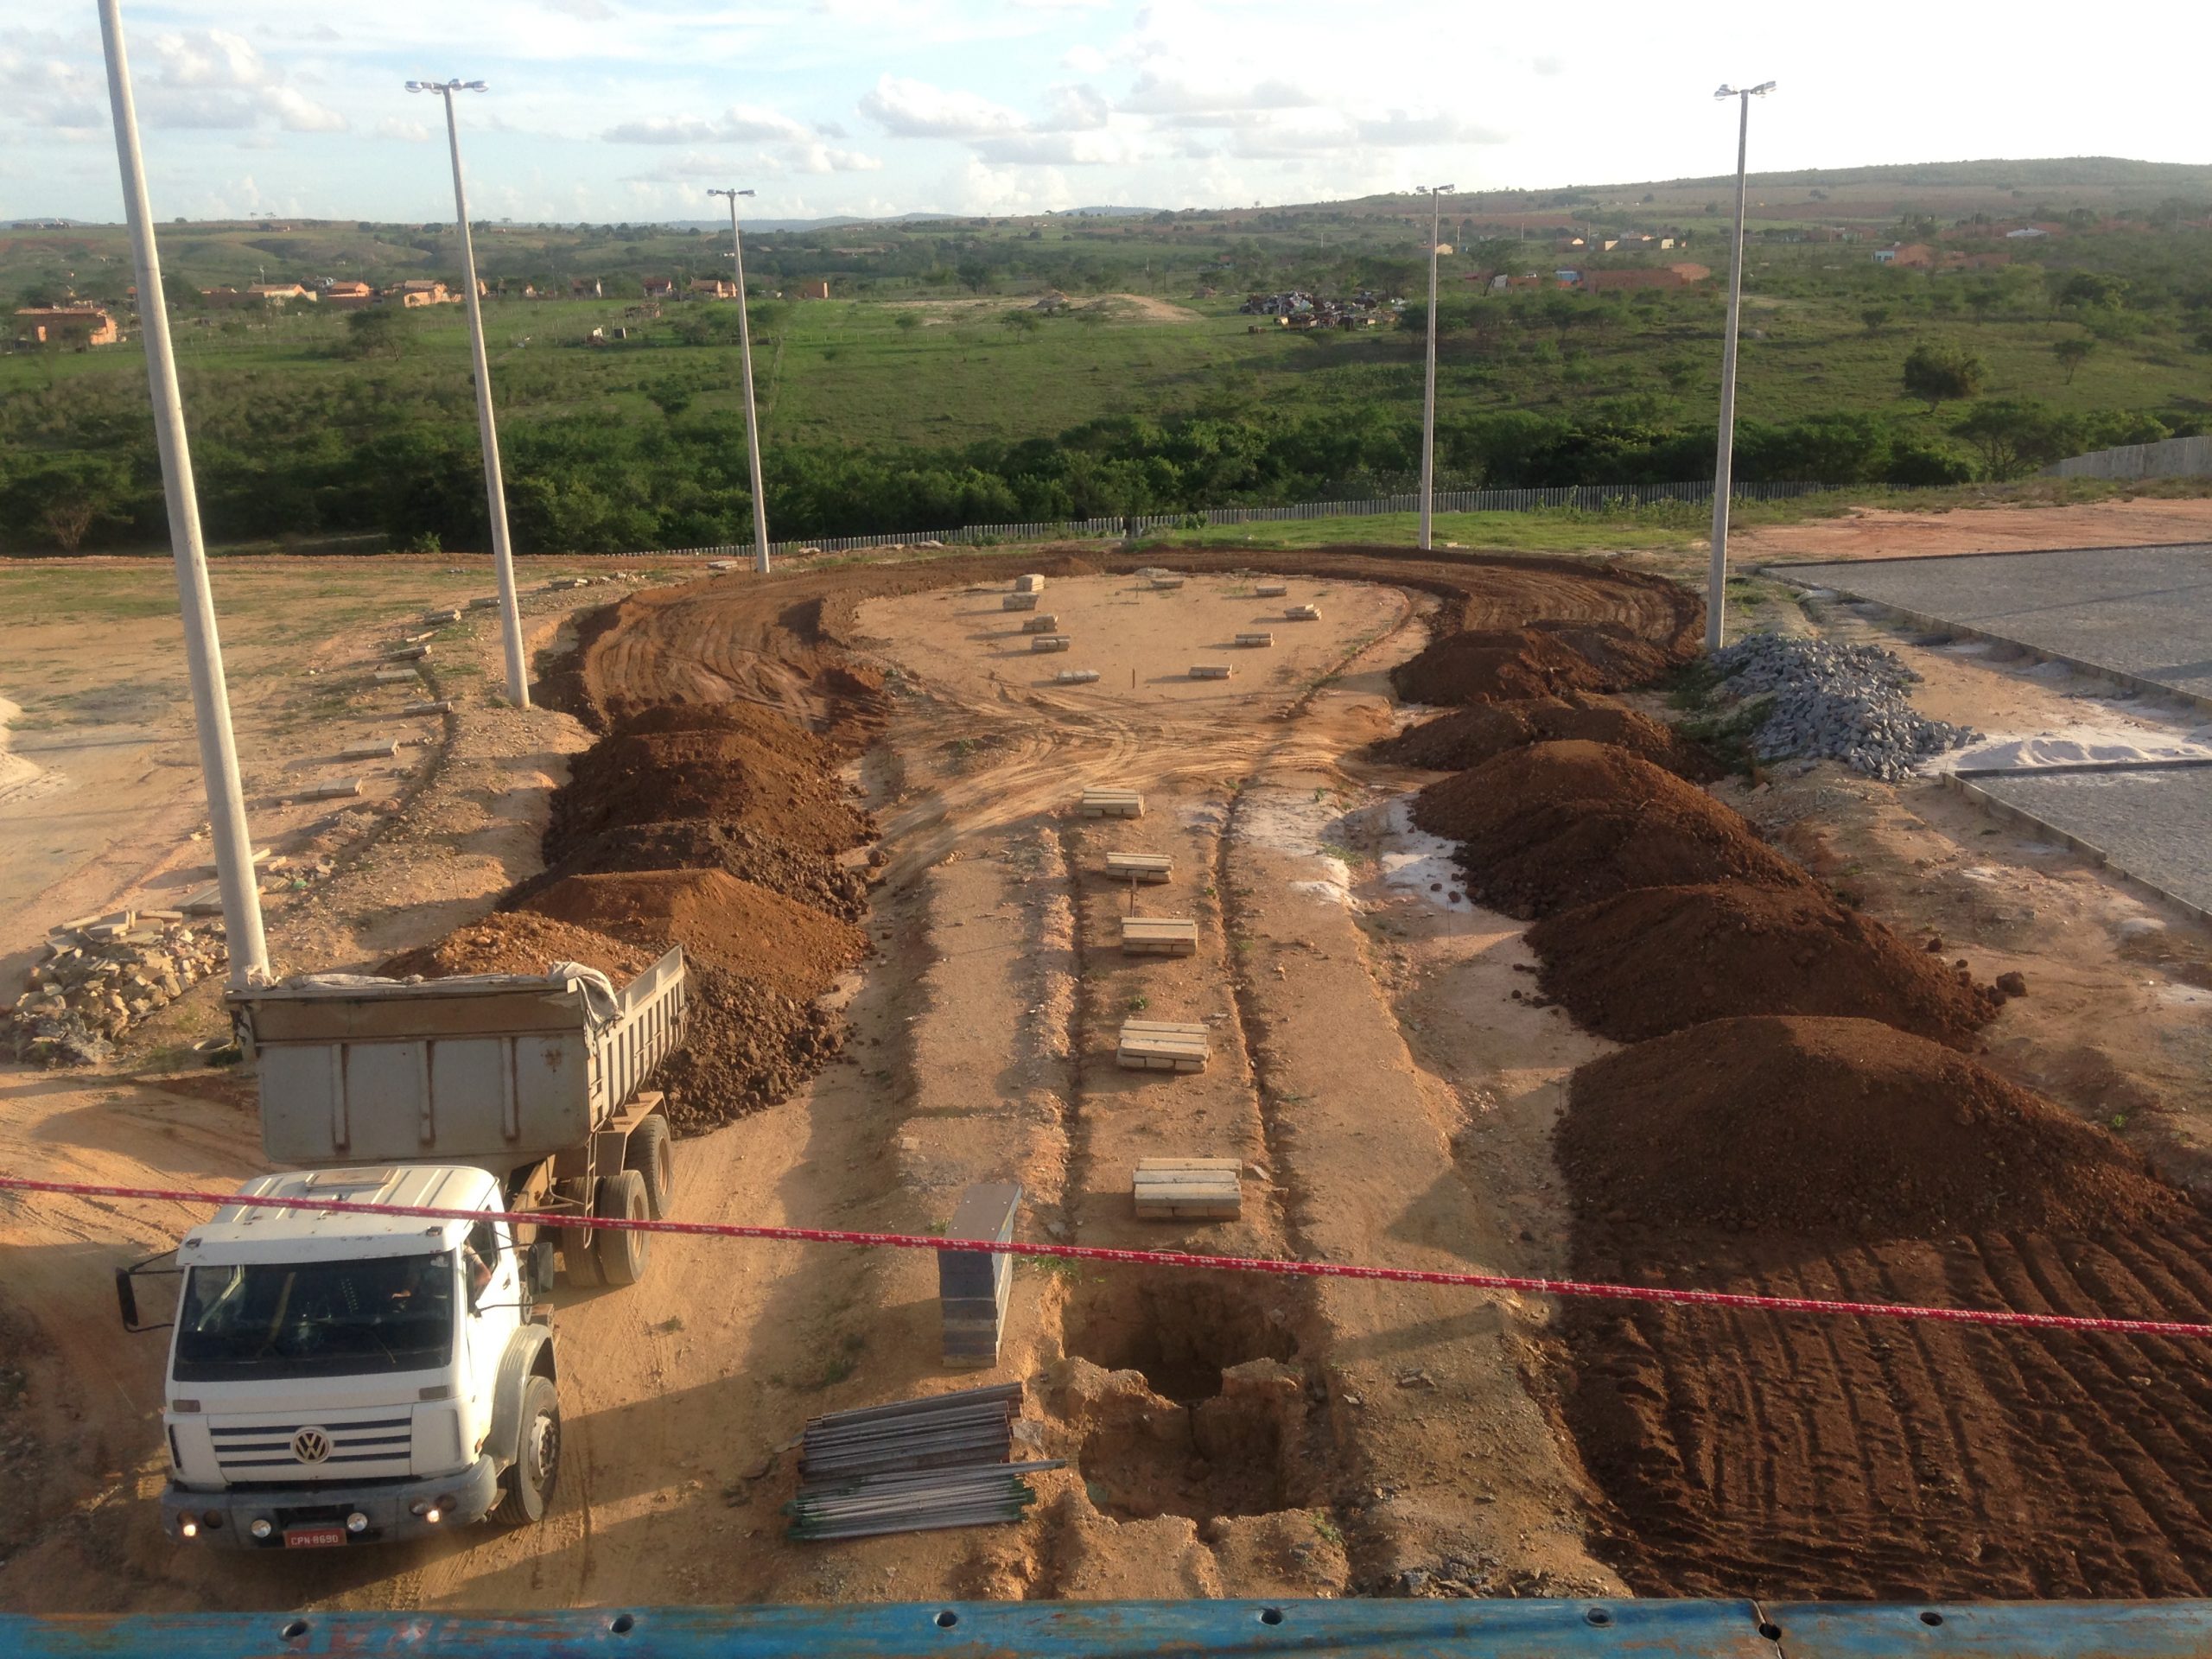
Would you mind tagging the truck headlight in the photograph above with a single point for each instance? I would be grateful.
(261, 1529)
(187, 1528)
(357, 1523)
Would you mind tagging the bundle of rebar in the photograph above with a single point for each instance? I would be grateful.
(912, 1466)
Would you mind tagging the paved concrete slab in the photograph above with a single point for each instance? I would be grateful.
(2147, 821)
(2142, 615)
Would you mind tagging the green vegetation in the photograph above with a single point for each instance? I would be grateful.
(940, 393)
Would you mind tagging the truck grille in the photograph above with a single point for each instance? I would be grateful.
(291, 1449)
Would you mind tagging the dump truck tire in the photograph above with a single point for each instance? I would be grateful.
(527, 1487)
(652, 1153)
(622, 1257)
(580, 1245)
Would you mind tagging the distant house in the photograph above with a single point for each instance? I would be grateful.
(712, 288)
(1909, 256)
(421, 291)
(586, 288)
(814, 290)
(2026, 233)
(222, 298)
(280, 293)
(65, 325)
(349, 296)
(1566, 276)
(660, 287)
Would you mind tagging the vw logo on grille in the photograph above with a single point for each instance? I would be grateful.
(311, 1445)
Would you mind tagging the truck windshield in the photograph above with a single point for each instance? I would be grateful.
(317, 1319)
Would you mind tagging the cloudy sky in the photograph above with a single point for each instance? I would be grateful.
(609, 110)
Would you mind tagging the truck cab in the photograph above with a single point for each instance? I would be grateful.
(338, 1378)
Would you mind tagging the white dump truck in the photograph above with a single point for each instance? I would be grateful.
(338, 1378)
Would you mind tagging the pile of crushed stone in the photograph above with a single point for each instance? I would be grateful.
(1844, 702)
(1653, 960)
(1845, 1129)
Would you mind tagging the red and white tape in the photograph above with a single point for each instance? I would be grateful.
(2001, 1318)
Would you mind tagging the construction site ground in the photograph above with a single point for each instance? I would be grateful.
(1379, 1066)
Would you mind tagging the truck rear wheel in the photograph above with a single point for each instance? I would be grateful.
(527, 1487)
(650, 1154)
(580, 1245)
(622, 1256)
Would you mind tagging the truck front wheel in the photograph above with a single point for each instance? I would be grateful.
(527, 1487)
(622, 1256)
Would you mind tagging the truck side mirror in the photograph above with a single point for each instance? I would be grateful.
(126, 1292)
(538, 1263)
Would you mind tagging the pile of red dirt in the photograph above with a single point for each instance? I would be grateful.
(1541, 659)
(1553, 826)
(720, 921)
(521, 944)
(1469, 736)
(747, 1045)
(737, 849)
(731, 762)
(1835, 1129)
(1653, 960)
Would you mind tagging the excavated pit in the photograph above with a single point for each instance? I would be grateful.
(1184, 1392)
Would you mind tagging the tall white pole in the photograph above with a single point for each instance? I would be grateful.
(203, 648)
(745, 359)
(1724, 457)
(495, 489)
(1428, 392)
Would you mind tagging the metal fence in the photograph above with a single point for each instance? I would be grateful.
(1583, 498)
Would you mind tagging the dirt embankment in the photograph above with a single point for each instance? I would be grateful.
(1550, 826)
(775, 642)
(1653, 960)
(720, 827)
(1774, 1455)
(1467, 737)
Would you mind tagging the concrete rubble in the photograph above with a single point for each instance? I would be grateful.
(1851, 703)
(96, 977)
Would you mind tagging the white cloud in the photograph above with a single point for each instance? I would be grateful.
(1154, 94)
(406, 132)
(825, 158)
(739, 123)
(1075, 109)
(299, 114)
(914, 109)
(1549, 65)
(1057, 148)
(1401, 129)
(1086, 60)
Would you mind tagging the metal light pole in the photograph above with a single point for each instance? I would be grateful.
(203, 648)
(1717, 585)
(1428, 395)
(495, 489)
(744, 358)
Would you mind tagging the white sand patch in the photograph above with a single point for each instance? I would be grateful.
(1303, 825)
(1417, 865)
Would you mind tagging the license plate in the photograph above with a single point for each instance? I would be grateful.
(314, 1537)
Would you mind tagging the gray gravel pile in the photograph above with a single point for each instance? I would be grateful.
(1846, 702)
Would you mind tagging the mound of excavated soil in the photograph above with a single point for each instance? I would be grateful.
(721, 922)
(1543, 659)
(1469, 736)
(731, 762)
(706, 844)
(1835, 1129)
(1653, 960)
(1556, 825)
(521, 944)
(746, 1045)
